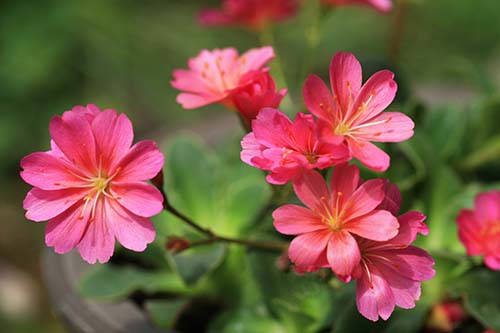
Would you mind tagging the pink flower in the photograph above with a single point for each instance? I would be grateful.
(252, 14)
(390, 272)
(212, 75)
(287, 149)
(256, 90)
(355, 112)
(479, 229)
(91, 185)
(380, 5)
(326, 227)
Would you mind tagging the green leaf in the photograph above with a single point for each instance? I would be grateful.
(112, 282)
(165, 313)
(254, 320)
(303, 303)
(350, 320)
(192, 264)
(407, 321)
(482, 296)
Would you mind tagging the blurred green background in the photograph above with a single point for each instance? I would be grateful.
(120, 54)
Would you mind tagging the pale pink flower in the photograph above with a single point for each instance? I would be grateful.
(355, 112)
(380, 5)
(91, 185)
(212, 75)
(252, 14)
(256, 90)
(325, 229)
(390, 272)
(479, 228)
(287, 148)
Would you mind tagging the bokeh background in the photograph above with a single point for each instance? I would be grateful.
(120, 54)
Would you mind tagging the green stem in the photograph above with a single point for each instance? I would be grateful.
(213, 237)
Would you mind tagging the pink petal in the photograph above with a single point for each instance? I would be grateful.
(269, 127)
(98, 243)
(311, 189)
(374, 297)
(43, 205)
(252, 149)
(345, 79)
(255, 59)
(378, 225)
(64, 231)
(345, 179)
(113, 135)
(318, 98)
(410, 224)
(138, 197)
(492, 262)
(73, 135)
(48, 172)
(468, 231)
(343, 253)
(392, 199)
(193, 101)
(295, 220)
(487, 206)
(411, 262)
(370, 155)
(143, 161)
(386, 127)
(132, 231)
(374, 97)
(364, 200)
(305, 250)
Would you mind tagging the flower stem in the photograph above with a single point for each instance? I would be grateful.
(213, 237)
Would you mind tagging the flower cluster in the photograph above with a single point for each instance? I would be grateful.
(223, 76)
(90, 185)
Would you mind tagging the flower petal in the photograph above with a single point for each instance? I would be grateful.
(386, 127)
(345, 179)
(345, 79)
(255, 59)
(73, 135)
(410, 225)
(132, 231)
(97, 243)
(392, 199)
(374, 97)
(295, 220)
(374, 297)
(318, 98)
(343, 253)
(140, 198)
(64, 231)
(468, 231)
(311, 189)
(143, 161)
(48, 172)
(411, 262)
(113, 135)
(369, 154)
(487, 206)
(364, 200)
(492, 262)
(43, 205)
(305, 250)
(378, 225)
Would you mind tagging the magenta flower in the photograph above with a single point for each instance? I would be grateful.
(288, 148)
(256, 90)
(479, 229)
(91, 185)
(252, 14)
(212, 75)
(354, 112)
(390, 272)
(325, 229)
(380, 5)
